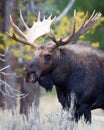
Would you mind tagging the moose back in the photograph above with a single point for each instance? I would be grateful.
(77, 68)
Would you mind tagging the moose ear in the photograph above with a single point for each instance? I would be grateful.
(47, 58)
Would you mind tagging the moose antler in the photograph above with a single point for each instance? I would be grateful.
(38, 29)
(85, 26)
(41, 28)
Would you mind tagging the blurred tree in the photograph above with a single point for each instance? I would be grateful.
(11, 7)
(92, 37)
(66, 10)
(2, 4)
(90, 5)
(30, 9)
(96, 35)
(56, 7)
(7, 7)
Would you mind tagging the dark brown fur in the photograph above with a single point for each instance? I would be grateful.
(77, 68)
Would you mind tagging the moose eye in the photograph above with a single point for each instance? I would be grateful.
(47, 57)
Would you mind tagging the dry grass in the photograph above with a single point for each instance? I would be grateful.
(49, 116)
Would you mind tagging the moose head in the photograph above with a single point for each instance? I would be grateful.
(46, 55)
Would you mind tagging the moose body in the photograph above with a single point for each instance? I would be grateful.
(74, 68)
(77, 68)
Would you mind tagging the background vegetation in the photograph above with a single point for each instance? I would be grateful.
(18, 55)
(63, 27)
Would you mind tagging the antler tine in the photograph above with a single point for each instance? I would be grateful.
(16, 28)
(19, 40)
(83, 23)
(54, 39)
(60, 41)
(92, 15)
(84, 20)
(44, 18)
(50, 17)
(74, 24)
(38, 29)
(85, 26)
(24, 23)
(38, 17)
(18, 31)
(65, 41)
(91, 21)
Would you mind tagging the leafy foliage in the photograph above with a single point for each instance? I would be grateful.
(62, 28)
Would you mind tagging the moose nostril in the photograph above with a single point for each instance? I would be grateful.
(30, 77)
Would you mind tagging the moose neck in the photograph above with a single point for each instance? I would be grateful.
(64, 62)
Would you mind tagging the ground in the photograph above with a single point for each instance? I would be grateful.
(49, 104)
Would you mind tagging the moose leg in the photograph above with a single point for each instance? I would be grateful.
(83, 110)
(99, 103)
(62, 98)
(87, 115)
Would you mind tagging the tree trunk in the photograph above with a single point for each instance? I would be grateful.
(10, 7)
(7, 7)
(2, 51)
(30, 103)
(66, 10)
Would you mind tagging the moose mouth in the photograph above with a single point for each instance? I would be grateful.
(31, 77)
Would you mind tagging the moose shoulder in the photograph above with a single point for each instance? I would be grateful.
(77, 68)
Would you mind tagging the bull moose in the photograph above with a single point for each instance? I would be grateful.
(77, 68)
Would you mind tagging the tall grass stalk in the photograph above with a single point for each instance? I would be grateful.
(56, 120)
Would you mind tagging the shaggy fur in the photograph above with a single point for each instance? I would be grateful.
(77, 68)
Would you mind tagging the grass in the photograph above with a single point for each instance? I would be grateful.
(48, 116)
